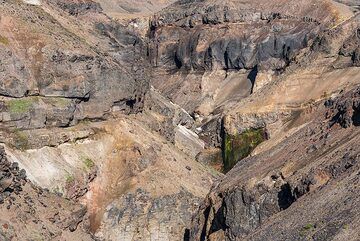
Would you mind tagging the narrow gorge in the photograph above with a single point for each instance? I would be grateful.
(188, 120)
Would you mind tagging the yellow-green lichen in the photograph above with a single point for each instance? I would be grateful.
(4, 40)
(58, 102)
(308, 228)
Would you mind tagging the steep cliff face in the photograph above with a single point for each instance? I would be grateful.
(217, 51)
(252, 72)
(242, 65)
(73, 86)
(65, 62)
(268, 196)
(133, 9)
(133, 114)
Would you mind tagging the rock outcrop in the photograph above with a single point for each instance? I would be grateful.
(78, 115)
(204, 42)
(37, 212)
(241, 68)
(256, 197)
(120, 9)
(58, 73)
(134, 109)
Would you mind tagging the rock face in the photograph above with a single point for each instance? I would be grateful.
(38, 213)
(188, 141)
(77, 113)
(146, 187)
(78, 7)
(54, 77)
(207, 39)
(165, 116)
(134, 108)
(256, 197)
(347, 111)
(12, 178)
(208, 53)
(130, 9)
(159, 222)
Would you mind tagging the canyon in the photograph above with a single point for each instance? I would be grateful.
(179, 120)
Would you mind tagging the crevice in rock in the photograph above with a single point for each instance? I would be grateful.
(206, 218)
(226, 59)
(187, 235)
(219, 221)
(252, 77)
(238, 147)
(126, 105)
(285, 197)
(356, 116)
(177, 61)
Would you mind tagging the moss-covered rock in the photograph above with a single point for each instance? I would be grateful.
(237, 147)
(21, 140)
(22, 105)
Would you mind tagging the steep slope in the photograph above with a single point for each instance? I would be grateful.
(240, 65)
(73, 86)
(216, 49)
(134, 182)
(66, 77)
(104, 108)
(268, 196)
(130, 9)
(32, 213)
(256, 71)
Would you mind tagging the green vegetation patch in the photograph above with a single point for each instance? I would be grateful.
(306, 229)
(237, 147)
(4, 40)
(20, 106)
(21, 140)
(88, 163)
(69, 178)
(308, 226)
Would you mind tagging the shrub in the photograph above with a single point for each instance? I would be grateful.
(308, 226)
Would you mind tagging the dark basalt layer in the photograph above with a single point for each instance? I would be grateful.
(346, 111)
(193, 40)
(12, 178)
(244, 76)
(268, 44)
(200, 35)
(78, 6)
(64, 78)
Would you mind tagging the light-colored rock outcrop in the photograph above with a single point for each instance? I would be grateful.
(33, 2)
(188, 141)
